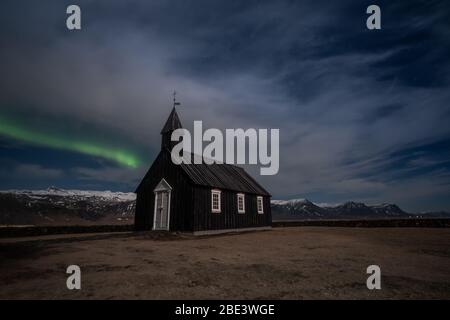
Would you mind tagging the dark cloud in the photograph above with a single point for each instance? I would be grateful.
(351, 104)
(382, 112)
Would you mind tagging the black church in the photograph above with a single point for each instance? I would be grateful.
(198, 198)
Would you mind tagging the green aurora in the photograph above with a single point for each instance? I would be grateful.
(15, 131)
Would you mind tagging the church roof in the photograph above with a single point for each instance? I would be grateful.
(223, 176)
(172, 123)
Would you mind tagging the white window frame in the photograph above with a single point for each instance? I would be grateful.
(219, 194)
(258, 199)
(241, 196)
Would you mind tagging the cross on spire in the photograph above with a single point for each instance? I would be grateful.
(175, 103)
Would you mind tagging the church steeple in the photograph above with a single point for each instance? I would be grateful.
(172, 123)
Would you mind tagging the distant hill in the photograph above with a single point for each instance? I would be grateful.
(303, 209)
(297, 208)
(55, 206)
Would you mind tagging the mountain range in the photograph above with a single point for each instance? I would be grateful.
(55, 206)
(305, 209)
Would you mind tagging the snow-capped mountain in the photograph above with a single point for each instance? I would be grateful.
(388, 209)
(75, 194)
(297, 207)
(305, 209)
(55, 206)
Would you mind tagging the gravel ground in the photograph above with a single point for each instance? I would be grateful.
(284, 263)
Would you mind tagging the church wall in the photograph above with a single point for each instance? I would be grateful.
(181, 205)
(228, 218)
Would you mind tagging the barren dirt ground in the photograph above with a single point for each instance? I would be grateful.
(284, 263)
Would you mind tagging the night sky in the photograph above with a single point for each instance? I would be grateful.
(363, 114)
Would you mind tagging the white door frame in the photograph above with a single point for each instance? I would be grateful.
(162, 186)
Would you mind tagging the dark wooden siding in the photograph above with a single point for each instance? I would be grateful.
(181, 204)
(142, 220)
(190, 204)
(228, 218)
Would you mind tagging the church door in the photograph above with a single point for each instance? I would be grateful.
(161, 219)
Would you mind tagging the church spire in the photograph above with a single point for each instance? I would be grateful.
(172, 123)
(175, 103)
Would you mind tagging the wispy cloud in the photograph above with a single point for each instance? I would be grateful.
(351, 104)
(33, 171)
